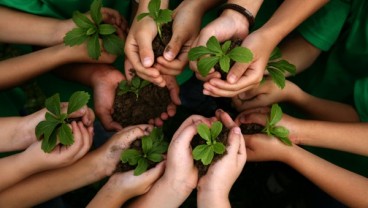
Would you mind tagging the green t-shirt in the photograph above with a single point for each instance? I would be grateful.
(340, 30)
(361, 98)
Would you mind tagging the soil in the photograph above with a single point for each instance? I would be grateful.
(234, 43)
(152, 100)
(251, 128)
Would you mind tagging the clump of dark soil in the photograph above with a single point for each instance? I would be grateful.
(151, 102)
(251, 128)
(159, 44)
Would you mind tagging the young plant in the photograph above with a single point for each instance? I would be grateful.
(211, 54)
(55, 127)
(153, 146)
(134, 86)
(205, 152)
(92, 31)
(271, 129)
(277, 68)
(160, 16)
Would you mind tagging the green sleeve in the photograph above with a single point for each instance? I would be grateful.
(361, 98)
(323, 28)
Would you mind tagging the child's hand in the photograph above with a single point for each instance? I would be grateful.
(62, 155)
(221, 175)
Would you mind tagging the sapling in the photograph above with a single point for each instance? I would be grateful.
(160, 16)
(93, 30)
(55, 127)
(152, 148)
(214, 52)
(205, 152)
(134, 86)
(271, 129)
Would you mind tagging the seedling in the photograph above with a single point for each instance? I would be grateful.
(153, 146)
(206, 152)
(271, 129)
(211, 54)
(160, 16)
(134, 86)
(277, 68)
(55, 127)
(92, 31)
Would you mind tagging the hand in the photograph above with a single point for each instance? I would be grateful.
(61, 155)
(216, 184)
(105, 81)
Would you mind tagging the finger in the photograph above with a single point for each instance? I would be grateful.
(171, 110)
(234, 138)
(89, 117)
(154, 173)
(174, 46)
(87, 141)
(129, 134)
(158, 122)
(225, 118)
(245, 82)
(108, 122)
(159, 80)
(145, 49)
(185, 137)
(189, 121)
(236, 71)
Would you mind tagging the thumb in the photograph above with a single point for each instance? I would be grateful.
(173, 47)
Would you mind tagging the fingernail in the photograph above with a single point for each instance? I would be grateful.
(147, 62)
(169, 55)
(232, 78)
(236, 130)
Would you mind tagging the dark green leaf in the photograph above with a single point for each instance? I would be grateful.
(136, 81)
(45, 128)
(198, 52)
(276, 114)
(204, 131)
(206, 64)
(219, 148)
(146, 144)
(49, 144)
(52, 118)
(216, 129)
(76, 36)
(96, 11)
(142, 15)
(224, 63)
(131, 156)
(65, 135)
(106, 29)
(154, 157)
(208, 155)
(144, 83)
(113, 44)
(277, 76)
(286, 141)
(214, 45)
(279, 131)
(164, 16)
(141, 167)
(276, 54)
(93, 47)
(91, 31)
(225, 47)
(241, 54)
(77, 100)
(82, 20)
(53, 104)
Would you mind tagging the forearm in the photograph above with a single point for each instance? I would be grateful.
(349, 137)
(29, 29)
(212, 200)
(251, 5)
(343, 185)
(200, 6)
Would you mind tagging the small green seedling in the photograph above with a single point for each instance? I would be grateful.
(211, 54)
(153, 146)
(92, 31)
(55, 127)
(160, 16)
(134, 86)
(271, 129)
(206, 152)
(277, 68)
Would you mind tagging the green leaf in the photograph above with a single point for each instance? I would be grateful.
(154, 7)
(49, 144)
(53, 118)
(216, 129)
(199, 151)
(277, 76)
(214, 45)
(154, 157)
(142, 15)
(141, 167)
(276, 114)
(91, 31)
(53, 104)
(75, 37)
(106, 29)
(164, 16)
(225, 47)
(131, 156)
(82, 20)
(275, 54)
(144, 83)
(65, 135)
(197, 52)
(136, 81)
(279, 131)
(286, 141)
(208, 155)
(45, 128)
(283, 66)
(219, 148)
(206, 64)
(241, 54)
(146, 144)
(93, 47)
(77, 100)
(224, 63)
(113, 44)
(204, 132)
(96, 11)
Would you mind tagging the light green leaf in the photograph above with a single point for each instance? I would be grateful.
(286, 141)
(146, 144)
(142, 15)
(219, 148)
(276, 114)
(277, 77)
(199, 151)
(154, 157)
(82, 20)
(113, 44)
(225, 47)
(96, 11)
(197, 52)
(283, 66)
(106, 29)
(216, 129)
(241, 54)
(93, 47)
(53, 104)
(141, 167)
(154, 7)
(77, 100)
(75, 37)
(65, 135)
(279, 131)
(224, 63)
(131, 156)
(214, 45)
(206, 64)
(204, 131)
(165, 16)
(208, 155)
(275, 54)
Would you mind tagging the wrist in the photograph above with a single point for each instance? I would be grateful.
(212, 200)
(177, 189)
